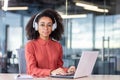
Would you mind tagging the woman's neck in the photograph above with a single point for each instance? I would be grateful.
(44, 38)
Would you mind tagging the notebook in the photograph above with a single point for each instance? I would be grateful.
(23, 77)
(85, 65)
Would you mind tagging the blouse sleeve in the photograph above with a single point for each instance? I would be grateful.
(32, 69)
(60, 61)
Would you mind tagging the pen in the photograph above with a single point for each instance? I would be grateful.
(18, 75)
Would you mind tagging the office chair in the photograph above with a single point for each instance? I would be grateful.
(21, 60)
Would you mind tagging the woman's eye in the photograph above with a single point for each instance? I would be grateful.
(50, 25)
(41, 24)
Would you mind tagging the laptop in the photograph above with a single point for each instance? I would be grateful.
(85, 65)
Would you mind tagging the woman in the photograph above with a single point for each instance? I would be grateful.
(43, 52)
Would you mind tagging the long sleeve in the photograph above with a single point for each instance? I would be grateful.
(32, 68)
(60, 61)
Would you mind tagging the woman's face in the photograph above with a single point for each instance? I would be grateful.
(45, 27)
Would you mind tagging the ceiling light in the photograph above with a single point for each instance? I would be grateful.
(91, 7)
(5, 6)
(97, 9)
(86, 5)
(74, 16)
(15, 8)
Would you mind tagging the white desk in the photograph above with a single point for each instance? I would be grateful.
(92, 77)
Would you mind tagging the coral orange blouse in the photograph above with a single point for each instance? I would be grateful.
(43, 56)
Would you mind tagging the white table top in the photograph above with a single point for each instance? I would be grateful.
(92, 77)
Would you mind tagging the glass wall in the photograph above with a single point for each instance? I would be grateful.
(96, 31)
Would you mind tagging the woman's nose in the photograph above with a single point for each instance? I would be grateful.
(46, 27)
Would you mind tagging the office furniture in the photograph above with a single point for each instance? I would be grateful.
(91, 77)
(21, 60)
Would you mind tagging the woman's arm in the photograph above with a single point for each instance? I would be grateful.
(31, 62)
(71, 69)
(60, 61)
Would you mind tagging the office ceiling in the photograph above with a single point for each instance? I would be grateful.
(59, 5)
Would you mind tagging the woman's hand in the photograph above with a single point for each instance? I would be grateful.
(71, 69)
(58, 71)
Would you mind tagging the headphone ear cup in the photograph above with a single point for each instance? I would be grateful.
(54, 26)
(36, 26)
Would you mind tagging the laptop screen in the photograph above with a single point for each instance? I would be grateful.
(85, 65)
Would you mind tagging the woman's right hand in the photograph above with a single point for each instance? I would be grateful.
(58, 71)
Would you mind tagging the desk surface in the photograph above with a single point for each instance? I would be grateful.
(92, 77)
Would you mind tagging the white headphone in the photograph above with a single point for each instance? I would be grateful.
(35, 24)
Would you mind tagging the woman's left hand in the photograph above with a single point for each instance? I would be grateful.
(71, 69)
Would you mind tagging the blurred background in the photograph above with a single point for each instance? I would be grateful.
(89, 25)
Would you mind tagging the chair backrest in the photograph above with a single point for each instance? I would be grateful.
(21, 60)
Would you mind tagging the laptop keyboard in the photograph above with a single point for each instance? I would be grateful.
(67, 74)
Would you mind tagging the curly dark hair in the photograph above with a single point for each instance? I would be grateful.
(56, 34)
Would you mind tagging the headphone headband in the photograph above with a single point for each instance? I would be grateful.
(35, 24)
